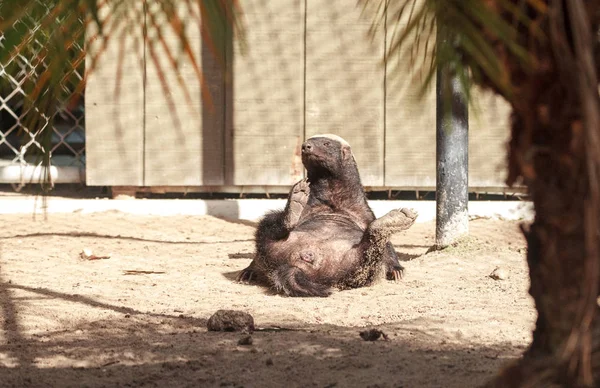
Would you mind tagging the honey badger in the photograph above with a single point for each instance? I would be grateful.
(327, 235)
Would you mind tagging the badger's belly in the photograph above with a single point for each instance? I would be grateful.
(325, 251)
(330, 236)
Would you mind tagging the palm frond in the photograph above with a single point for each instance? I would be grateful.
(472, 31)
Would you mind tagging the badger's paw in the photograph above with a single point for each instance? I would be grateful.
(296, 202)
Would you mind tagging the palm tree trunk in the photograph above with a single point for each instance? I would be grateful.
(555, 148)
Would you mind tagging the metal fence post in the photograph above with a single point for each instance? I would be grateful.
(452, 141)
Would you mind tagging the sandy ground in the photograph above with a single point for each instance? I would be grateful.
(68, 322)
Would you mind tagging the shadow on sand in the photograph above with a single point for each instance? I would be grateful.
(141, 349)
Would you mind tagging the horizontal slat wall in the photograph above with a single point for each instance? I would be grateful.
(264, 121)
(345, 81)
(114, 117)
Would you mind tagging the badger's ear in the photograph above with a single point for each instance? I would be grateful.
(346, 152)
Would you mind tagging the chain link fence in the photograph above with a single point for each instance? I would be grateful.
(19, 144)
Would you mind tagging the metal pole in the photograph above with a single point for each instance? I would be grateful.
(452, 143)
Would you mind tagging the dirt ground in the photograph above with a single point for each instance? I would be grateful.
(69, 322)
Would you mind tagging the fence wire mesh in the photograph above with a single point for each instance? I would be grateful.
(18, 142)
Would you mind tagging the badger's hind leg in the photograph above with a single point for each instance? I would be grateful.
(395, 221)
(377, 251)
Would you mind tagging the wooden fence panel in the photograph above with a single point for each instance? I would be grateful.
(489, 132)
(115, 117)
(264, 119)
(411, 126)
(410, 121)
(345, 82)
(310, 68)
(409, 138)
(182, 146)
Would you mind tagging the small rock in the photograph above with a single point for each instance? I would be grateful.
(499, 274)
(269, 361)
(231, 320)
(86, 253)
(373, 335)
(245, 341)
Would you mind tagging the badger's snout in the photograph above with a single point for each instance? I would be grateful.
(307, 148)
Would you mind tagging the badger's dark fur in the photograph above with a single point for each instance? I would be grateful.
(327, 235)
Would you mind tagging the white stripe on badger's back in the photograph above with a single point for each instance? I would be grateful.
(332, 137)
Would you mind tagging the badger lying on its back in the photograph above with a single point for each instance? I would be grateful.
(327, 235)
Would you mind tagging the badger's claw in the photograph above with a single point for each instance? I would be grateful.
(396, 273)
(246, 275)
